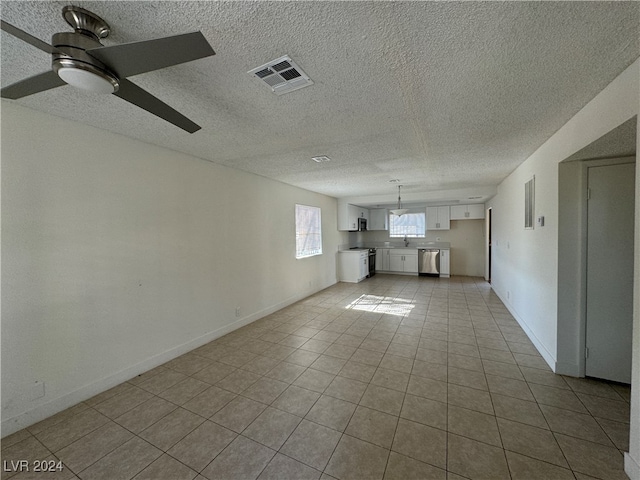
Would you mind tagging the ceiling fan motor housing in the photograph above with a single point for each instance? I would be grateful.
(71, 62)
(72, 55)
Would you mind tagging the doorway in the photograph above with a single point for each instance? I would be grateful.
(616, 147)
(609, 271)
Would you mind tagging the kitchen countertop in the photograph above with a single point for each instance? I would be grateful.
(396, 245)
(418, 247)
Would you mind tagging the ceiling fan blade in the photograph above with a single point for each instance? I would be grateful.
(139, 57)
(132, 93)
(29, 86)
(26, 37)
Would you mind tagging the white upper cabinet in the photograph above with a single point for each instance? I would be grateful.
(438, 218)
(467, 212)
(378, 219)
(363, 213)
(348, 216)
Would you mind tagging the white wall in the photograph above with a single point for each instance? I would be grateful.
(119, 255)
(467, 239)
(525, 262)
(632, 457)
(572, 250)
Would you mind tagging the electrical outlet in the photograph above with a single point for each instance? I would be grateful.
(237, 311)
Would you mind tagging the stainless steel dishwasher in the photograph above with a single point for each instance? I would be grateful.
(429, 262)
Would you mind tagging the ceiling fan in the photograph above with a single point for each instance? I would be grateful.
(80, 60)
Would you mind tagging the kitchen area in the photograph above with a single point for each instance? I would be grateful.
(447, 240)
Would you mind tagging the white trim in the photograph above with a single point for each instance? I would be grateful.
(487, 249)
(56, 405)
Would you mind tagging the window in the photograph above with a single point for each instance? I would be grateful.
(409, 224)
(529, 202)
(308, 231)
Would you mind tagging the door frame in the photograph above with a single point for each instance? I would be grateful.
(487, 244)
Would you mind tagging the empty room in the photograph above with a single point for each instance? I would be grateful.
(320, 240)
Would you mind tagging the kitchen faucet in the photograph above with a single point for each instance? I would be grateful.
(406, 242)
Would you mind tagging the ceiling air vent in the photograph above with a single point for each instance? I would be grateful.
(282, 75)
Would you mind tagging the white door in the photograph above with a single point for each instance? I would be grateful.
(610, 271)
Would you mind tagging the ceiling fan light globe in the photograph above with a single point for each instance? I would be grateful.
(86, 80)
(85, 76)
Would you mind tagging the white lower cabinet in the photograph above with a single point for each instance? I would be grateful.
(406, 261)
(353, 265)
(445, 263)
(382, 259)
(411, 262)
(396, 263)
(401, 260)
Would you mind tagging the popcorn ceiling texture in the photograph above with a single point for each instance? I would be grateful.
(441, 95)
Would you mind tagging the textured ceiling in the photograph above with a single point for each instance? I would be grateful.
(443, 96)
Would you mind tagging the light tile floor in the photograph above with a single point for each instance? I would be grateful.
(396, 377)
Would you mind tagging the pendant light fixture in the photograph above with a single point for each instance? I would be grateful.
(399, 211)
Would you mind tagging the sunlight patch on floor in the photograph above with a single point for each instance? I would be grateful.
(380, 304)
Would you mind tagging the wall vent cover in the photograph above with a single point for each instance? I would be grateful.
(282, 75)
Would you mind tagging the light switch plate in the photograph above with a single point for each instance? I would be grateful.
(541, 221)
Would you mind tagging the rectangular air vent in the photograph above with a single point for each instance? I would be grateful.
(282, 75)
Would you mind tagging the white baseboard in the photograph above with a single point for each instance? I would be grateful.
(56, 405)
(548, 356)
(631, 467)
